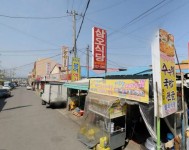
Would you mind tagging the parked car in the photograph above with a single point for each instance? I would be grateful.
(22, 84)
(8, 87)
(5, 93)
(28, 87)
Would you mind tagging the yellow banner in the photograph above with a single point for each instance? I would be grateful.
(75, 69)
(168, 74)
(131, 89)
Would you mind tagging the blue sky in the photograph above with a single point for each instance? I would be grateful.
(130, 30)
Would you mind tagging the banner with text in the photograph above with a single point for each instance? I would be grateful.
(75, 69)
(131, 89)
(164, 75)
(65, 58)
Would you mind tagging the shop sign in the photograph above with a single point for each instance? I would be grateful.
(75, 69)
(99, 48)
(48, 68)
(65, 76)
(164, 75)
(65, 58)
(131, 89)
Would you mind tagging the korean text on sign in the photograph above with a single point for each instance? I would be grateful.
(99, 48)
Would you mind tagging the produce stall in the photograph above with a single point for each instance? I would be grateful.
(76, 94)
(104, 122)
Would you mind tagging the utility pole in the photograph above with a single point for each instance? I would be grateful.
(87, 60)
(73, 13)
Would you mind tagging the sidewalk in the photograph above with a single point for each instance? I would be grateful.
(130, 146)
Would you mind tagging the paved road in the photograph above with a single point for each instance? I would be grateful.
(27, 125)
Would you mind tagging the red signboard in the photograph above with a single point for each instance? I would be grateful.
(99, 49)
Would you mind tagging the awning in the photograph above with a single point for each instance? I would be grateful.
(103, 99)
(105, 105)
(109, 100)
(79, 85)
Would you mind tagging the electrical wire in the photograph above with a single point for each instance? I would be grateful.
(31, 50)
(108, 7)
(31, 63)
(25, 33)
(154, 20)
(115, 64)
(80, 4)
(136, 18)
(36, 18)
(73, 4)
(82, 20)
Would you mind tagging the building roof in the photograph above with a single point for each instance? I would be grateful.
(129, 71)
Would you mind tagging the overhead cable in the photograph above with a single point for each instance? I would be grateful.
(29, 17)
(25, 33)
(29, 50)
(31, 63)
(136, 18)
(83, 19)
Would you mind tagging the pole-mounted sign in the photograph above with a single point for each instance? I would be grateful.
(99, 49)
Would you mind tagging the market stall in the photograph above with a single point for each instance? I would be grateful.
(106, 111)
(104, 122)
(76, 93)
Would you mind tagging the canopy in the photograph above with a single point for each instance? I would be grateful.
(102, 99)
(78, 85)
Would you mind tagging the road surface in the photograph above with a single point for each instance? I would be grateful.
(25, 124)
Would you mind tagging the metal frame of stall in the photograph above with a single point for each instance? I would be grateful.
(105, 117)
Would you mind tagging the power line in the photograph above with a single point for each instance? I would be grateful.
(29, 17)
(31, 50)
(136, 18)
(31, 63)
(160, 17)
(27, 54)
(82, 20)
(73, 4)
(114, 63)
(108, 7)
(25, 33)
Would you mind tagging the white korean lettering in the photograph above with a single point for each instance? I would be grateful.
(99, 41)
(100, 33)
(99, 48)
(99, 57)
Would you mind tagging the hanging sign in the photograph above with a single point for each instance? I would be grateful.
(164, 75)
(99, 49)
(65, 58)
(131, 89)
(75, 69)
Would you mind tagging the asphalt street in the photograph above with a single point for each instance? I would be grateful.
(25, 124)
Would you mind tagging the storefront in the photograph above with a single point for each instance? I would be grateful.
(106, 111)
(76, 95)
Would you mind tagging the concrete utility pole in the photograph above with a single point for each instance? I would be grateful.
(73, 13)
(87, 61)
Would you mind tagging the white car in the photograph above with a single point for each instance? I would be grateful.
(7, 87)
(28, 87)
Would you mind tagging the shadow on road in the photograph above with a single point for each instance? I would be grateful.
(16, 107)
(57, 106)
(2, 103)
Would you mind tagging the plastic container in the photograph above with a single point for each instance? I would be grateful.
(170, 136)
(150, 144)
(103, 142)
